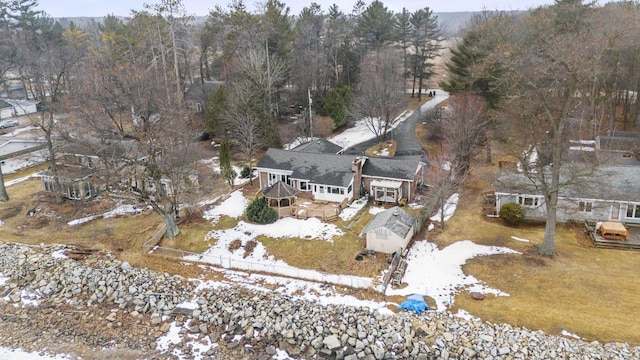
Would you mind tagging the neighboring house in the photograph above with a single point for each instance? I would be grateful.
(20, 153)
(199, 93)
(22, 107)
(13, 89)
(390, 230)
(610, 193)
(77, 163)
(339, 178)
(319, 146)
(6, 110)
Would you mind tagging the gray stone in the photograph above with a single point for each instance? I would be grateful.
(331, 342)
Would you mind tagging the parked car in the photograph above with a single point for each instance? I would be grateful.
(8, 123)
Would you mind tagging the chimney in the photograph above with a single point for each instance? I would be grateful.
(356, 167)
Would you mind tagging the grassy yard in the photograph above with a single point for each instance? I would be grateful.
(121, 234)
(587, 291)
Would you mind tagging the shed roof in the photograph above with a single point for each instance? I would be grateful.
(395, 219)
(279, 190)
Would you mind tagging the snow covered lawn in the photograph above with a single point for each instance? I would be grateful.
(438, 273)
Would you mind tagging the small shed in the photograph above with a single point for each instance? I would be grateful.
(390, 230)
(280, 196)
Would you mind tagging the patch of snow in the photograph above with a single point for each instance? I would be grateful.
(59, 254)
(355, 206)
(438, 273)
(531, 156)
(119, 210)
(384, 152)
(19, 354)
(431, 227)
(583, 142)
(311, 229)
(464, 314)
(448, 209)
(569, 334)
(415, 206)
(172, 337)
(375, 209)
(294, 288)
(582, 148)
(3, 279)
(19, 180)
(199, 347)
(520, 239)
(233, 207)
(360, 131)
(192, 305)
(282, 355)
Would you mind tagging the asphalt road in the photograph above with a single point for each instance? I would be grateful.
(404, 133)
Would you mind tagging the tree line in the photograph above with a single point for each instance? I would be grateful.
(116, 87)
(562, 72)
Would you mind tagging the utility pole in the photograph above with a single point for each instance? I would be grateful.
(310, 113)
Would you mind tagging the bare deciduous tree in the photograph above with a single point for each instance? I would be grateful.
(381, 96)
(243, 122)
(464, 125)
(444, 186)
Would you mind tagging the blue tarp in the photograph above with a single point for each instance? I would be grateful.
(415, 303)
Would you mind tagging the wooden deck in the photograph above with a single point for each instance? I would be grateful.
(631, 243)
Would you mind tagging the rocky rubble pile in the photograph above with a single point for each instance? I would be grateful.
(251, 324)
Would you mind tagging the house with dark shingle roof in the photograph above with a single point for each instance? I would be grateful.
(336, 178)
(199, 94)
(607, 193)
(318, 146)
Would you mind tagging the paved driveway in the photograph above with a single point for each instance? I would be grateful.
(404, 133)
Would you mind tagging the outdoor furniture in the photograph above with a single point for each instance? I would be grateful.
(613, 231)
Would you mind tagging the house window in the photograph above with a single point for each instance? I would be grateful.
(335, 190)
(349, 188)
(529, 201)
(274, 178)
(321, 189)
(303, 185)
(73, 192)
(633, 211)
(585, 206)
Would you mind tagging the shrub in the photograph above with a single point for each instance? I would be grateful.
(512, 213)
(260, 212)
(245, 172)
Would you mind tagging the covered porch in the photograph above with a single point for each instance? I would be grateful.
(387, 191)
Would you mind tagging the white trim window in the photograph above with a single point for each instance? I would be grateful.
(585, 206)
(303, 185)
(633, 211)
(274, 178)
(529, 201)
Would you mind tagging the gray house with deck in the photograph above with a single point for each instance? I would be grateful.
(338, 178)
